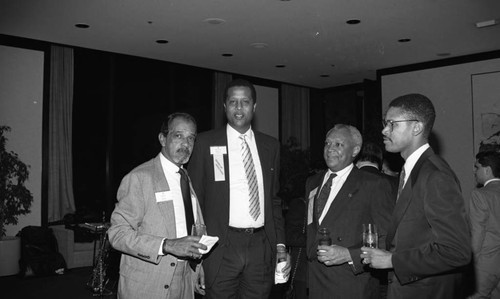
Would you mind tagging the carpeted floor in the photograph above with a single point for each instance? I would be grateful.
(71, 285)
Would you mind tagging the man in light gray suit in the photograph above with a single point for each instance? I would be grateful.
(484, 218)
(153, 218)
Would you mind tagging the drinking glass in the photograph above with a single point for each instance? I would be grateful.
(198, 229)
(370, 235)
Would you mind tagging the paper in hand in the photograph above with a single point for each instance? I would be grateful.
(209, 242)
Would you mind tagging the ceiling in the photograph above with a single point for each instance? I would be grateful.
(309, 39)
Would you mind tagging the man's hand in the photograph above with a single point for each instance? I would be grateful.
(376, 258)
(333, 255)
(184, 247)
(199, 280)
(283, 255)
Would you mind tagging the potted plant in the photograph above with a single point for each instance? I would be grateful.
(15, 200)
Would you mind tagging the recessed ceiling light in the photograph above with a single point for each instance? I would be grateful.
(332, 65)
(404, 40)
(227, 55)
(353, 22)
(82, 25)
(324, 76)
(259, 45)
(280, 66)
(443, 54)
(162, 41)
(214, 21)
(486, 23)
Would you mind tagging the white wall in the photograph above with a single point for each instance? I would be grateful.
(21, 102)
(266, 119)
(450, 89)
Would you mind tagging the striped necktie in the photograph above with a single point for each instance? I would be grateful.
(401, 182)
(253, 187)
(323, 196)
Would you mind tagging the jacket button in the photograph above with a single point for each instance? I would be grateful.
(172, 264)
(166, 286)
(389, 280)
(339, 239)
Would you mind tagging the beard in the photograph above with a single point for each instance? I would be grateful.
(182, 155)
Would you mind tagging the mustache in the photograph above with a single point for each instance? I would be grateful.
(183, 150)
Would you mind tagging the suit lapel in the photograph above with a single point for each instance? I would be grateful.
(166, 208)
(405, 197)
(344, 196)
(264, 154)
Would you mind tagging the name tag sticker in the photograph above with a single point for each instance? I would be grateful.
(163, 196)
(218, 153)
(310, 208)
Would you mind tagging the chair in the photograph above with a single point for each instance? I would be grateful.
(76, 254)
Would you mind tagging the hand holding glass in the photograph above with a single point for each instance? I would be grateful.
(198, 229)
(370, 235)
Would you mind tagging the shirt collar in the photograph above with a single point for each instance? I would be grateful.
(341, 173)
(413, 158)
(492, 180)
(233, 134)
(168, 165)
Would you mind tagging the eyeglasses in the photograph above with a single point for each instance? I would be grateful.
(391, 123)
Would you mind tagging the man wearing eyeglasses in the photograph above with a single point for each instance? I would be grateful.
(429, 239)
(152, 221)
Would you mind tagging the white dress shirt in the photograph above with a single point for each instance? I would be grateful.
(239, 207)
(412, 160)
(337, 183)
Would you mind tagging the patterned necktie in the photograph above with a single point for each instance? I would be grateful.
(323, 195)
(253, 187)
(401, 182)
(186, 197)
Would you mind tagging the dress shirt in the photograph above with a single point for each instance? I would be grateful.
(173, 177)
(337, 183)
(412, 160)
(239, 207)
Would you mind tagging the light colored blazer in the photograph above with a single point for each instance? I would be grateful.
(138, 225)
(485, 227)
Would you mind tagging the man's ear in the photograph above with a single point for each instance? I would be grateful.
(418, 128)
(162, 138)
(356, 151)
(254, 106)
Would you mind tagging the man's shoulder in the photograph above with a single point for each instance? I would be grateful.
(146, 167)
(262, 137)
(207, 135)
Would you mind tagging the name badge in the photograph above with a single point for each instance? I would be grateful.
(310, 208)
(218, 153)
(163, 196)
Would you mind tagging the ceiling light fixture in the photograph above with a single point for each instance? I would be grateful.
(214, 21)
(404, 40)
(353, 22)
(280, 66)
(227, 55)
(162, 41)
(486, 23)
(324, 76)
(82, 25)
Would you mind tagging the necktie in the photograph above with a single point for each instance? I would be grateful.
(186, 197)
(253, 187)
(401, 182)
(323, 196)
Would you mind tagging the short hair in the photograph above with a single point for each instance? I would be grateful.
(491, 159)
(417, 106)
(167, 122)
(371, 152)
(355, 134)
(242, 83)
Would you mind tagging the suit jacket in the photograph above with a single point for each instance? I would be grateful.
(364, 198)
(429, 234)
(214, 195)
(392, 179)
(485, 228)
(138, 225)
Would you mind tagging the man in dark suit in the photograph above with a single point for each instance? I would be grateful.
(342, 199)
(235, 174)
(370, 159)
(429, 238)
(484, 215)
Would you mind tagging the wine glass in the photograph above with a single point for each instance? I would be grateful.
(198, 229)
(370, 235)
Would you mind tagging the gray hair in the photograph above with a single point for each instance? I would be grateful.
(355, 134)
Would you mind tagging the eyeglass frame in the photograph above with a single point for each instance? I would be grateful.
(386, 123)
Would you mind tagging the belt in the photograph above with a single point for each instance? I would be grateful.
(247, 230)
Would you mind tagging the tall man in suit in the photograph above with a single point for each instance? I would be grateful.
(235, 173)
(429, 238)
(484, 215)
(153, 218)
(341, 199)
